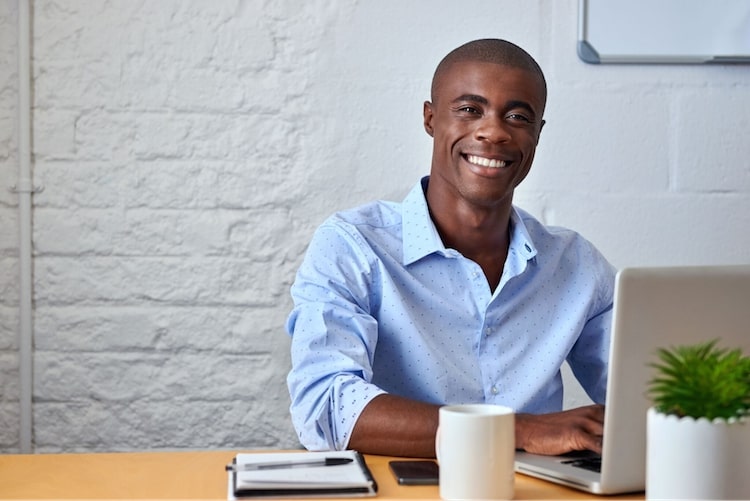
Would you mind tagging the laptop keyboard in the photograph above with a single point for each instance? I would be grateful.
(586, 460)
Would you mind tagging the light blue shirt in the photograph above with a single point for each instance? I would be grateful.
(381, 305)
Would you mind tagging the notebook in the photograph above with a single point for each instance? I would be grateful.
(653, 308)
(299, 475)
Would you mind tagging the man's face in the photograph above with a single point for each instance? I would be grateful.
(485, 120)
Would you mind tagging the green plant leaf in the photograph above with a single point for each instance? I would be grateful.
(701, 380)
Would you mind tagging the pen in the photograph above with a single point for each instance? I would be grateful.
(330, 461)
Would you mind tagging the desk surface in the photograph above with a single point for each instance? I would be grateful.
(188, 475)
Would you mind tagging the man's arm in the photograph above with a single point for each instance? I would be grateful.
(395, 426)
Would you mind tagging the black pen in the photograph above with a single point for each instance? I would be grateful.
(329, 461)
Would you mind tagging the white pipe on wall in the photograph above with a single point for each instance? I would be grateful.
(25, 190)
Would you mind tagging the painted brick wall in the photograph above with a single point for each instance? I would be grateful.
(9, 382)
(188, 149)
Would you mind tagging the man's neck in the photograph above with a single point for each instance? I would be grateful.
(481, 234)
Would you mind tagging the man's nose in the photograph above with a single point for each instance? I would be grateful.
(492, 128)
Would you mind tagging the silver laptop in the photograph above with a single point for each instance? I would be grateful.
(653, 308)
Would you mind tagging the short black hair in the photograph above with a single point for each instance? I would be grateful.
(490, 50)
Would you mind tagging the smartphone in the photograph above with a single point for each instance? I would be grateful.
(415, 472)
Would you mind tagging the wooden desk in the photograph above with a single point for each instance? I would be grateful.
(187, 475)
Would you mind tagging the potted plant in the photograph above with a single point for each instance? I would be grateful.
(698, 439)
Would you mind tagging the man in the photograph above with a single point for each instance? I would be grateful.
(454, 295)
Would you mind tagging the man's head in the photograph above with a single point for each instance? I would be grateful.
(485, 117)
(489, 50)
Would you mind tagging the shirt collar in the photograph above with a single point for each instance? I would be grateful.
(520, 239)
(421, 238)
(521, 250)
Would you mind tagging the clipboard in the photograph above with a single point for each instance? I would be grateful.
(664, 31)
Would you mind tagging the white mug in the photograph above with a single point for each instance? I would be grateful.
(475, 447)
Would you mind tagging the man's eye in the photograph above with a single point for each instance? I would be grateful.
(468, 109)
(519, 117)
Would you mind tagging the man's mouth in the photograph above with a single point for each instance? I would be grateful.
(485, 162)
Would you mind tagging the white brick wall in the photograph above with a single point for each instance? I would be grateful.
(9, 383)
(188, 149)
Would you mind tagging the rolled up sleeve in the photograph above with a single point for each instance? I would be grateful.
(333, 340)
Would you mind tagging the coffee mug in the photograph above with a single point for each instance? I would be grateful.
(475, 447)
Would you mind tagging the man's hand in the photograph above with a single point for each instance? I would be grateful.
(560, 432)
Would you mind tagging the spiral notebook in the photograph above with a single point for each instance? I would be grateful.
(299, 475)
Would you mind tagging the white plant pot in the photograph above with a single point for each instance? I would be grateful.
(697, 459)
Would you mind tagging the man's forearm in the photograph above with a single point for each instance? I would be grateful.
(395, 426)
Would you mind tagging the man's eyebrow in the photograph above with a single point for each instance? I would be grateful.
(471, 97)
(521, 104)
(475, 98)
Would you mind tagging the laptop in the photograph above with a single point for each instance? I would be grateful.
(653, 308)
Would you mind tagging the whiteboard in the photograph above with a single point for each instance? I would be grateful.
(664, 31)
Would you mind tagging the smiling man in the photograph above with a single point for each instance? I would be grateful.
(454, 295)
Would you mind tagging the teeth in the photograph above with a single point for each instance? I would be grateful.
(486, 162)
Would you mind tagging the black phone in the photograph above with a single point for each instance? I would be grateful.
(415, 472)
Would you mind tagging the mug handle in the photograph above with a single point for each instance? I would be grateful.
(437, 444)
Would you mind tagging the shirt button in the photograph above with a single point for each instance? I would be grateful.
(487, 331)
(494, 390)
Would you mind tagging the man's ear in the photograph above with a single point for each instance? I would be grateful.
(539, 134)
(427, 115)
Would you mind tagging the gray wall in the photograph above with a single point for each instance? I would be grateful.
(188, 149)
